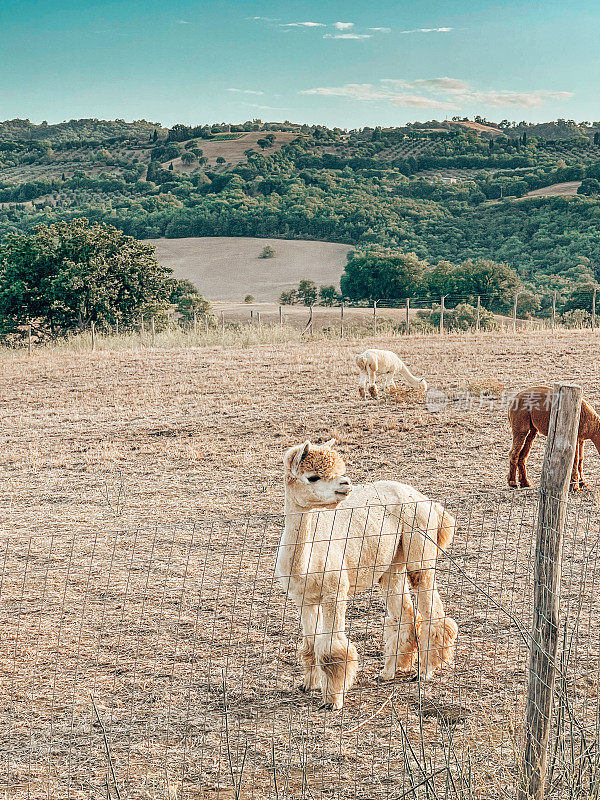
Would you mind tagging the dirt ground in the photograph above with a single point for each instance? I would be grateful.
(201, 432)
(122, 579)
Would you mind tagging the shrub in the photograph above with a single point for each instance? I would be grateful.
(268, 252)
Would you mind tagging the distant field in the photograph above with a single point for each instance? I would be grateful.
(233, 150)
(229, 268)
(556, 190)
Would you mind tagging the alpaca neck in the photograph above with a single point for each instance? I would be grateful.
(296, 535)
(410, 378)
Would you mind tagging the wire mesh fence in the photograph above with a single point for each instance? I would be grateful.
(164, 663)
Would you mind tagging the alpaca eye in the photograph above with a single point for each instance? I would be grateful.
(313, 479)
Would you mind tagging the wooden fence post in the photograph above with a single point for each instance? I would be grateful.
(142, 326)
(553, 496)
(442, 308)
(29, 338)
(408, 316)
(594, 308)
(93, 336)
(478, 320)
(374, 317)
(153, 331)
(280, 317)
(515, 312)
(342, 320)
(554, 310)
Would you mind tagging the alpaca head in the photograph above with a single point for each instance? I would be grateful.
(314, 475)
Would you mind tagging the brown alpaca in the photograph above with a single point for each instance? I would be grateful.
(529, 414)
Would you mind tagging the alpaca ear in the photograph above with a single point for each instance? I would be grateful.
(293, 458)
(329, 444)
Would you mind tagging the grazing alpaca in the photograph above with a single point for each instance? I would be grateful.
(382, 533)
(529, 414)
(383, 362)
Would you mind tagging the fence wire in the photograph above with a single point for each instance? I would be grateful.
(164, 663)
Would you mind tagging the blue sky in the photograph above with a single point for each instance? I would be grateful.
(336, 63)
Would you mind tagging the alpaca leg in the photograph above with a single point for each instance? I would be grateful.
(582, 482)
(309, 615)
(335, 654)
(522, 459)
(362, 386)
(438, 632)
(519, 437)
(371, 380)
(400, 628)
(575, 471)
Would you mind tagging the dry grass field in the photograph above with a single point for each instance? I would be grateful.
(229, 268)
(122, 579)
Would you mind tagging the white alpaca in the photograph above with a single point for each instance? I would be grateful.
(383, 533)
(383, 362)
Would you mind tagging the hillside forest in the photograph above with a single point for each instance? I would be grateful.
(449, 193)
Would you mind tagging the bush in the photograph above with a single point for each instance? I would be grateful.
(461, 318)
(268, 252)
(249, 298)
(577, 318)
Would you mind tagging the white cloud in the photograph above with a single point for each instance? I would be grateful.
(437, 93)
(381, 30)
(244, 91)
(347, 36)
(303, 25)
(366, 91)
(343, 26)
(428, 30)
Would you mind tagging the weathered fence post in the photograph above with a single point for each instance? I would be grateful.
(374, 317)
(153, 331)
(408, 316)
(515, 312)
(29, 338)
(142, 326)
(442, 308)
(93, 335)
(553, 496)
(342, 320)
(594, 308)
(478, 318)
(259, 322)
(280, 317)
(554, 309)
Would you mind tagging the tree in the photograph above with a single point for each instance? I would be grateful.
(268, 252)
(328, 295)
(188, 158)
(249, 298)
(155, 135)
(171, 165)
(221, 160)
(307, 291)
(69, 274)
(187, 299)
(495, 282)
(589, 186)
(288, 298)
(379, 275)
(263, 143)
